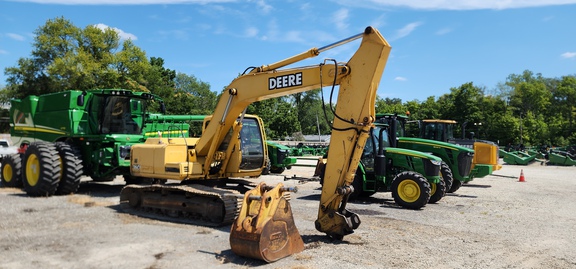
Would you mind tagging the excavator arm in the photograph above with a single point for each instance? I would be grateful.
(264, 228)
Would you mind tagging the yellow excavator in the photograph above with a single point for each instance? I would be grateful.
(204, 167)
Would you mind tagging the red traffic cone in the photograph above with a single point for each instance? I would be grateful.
(522, 176)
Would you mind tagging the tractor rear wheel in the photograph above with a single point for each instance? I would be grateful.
(455, 186)
(447, 175)
(277, 170)
(12, 171)
(70, 168)
(358, 185)
(41, 169)
(410, 190)
(267, 165)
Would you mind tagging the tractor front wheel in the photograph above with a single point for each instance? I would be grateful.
(410, 190)
(437, 191)
(41, 169)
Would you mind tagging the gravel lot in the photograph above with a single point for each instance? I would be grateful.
(493, 222)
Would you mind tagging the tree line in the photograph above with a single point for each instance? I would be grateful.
(527, 108)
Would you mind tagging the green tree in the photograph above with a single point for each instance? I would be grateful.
(190, 96)
(564, 103)
(312, 113)
(390, 105)
(65, 57)
(279, 116)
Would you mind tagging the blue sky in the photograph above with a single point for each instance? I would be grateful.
(436, 44)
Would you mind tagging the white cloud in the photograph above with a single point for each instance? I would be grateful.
(3, 52)
(123, 35)
(15, 36)
(379, 22)
(458, 4)
(400, 79)
(293, 36)
(568, 55)
(251, 32)
(406, 30)
(265, 8)
(124, 2)
(443, 31)
(340, 18)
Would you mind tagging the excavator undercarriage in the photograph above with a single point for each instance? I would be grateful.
(192, 203)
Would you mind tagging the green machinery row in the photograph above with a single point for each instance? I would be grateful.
(563, 156)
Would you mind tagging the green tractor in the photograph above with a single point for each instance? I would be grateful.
(486, 153)
(457, 161)
(412, 177)
(63, 136)
(279, 158)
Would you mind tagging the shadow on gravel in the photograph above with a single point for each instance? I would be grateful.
(477, 186)
(158, 215)
(315, 197)
(460, 195)
(96, 189)
(227, 256)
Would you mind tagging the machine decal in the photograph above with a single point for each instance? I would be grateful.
(285, 81)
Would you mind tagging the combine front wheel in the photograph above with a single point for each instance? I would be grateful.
(42, 169)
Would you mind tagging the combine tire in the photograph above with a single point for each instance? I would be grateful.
(70, 168)
(447, 175)
(12, 171)
(437, 191)
(41, 169)
(410, 190)
(455, 186)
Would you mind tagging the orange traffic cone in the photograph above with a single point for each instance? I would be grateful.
(521, 176)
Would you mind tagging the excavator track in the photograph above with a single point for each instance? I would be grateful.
(194, 203)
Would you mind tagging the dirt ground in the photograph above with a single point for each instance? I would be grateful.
(493, 222)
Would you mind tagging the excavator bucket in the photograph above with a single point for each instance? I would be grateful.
(265, 227)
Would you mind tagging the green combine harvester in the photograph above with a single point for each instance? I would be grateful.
(63, 136)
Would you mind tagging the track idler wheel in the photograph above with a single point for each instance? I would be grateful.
(265, 228)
